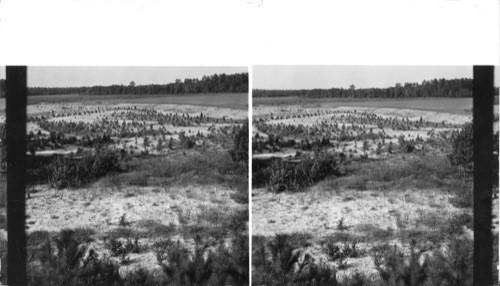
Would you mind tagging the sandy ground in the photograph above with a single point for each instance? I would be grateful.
(318, 212)
(101, 209)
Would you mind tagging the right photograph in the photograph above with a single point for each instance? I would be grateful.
(363, 175)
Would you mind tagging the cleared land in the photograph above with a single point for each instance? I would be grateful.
(350, 187)
(229, 100)
(152, 189)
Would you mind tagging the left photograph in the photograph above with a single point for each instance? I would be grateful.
(135, 176)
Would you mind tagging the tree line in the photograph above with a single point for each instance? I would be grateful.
(215, 83)
(455, 88)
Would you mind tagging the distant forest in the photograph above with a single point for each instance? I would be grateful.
(216, 83)
(428, 88)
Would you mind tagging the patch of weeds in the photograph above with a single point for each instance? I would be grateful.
(117, 247)
(395, 268)
(241, 195)
(155, 228)
(130, 195)
(141, 277)
(164, 230)
(300, 239)
(3, 220)
(66, 171)
(277, 262)
(341, 225)
(431, 219)
(237, 220)
(351, 182)
(38, 237)
(124, 232)
(165, 248)
(3, 191)
(62, 260)
(463, 194)
(335, 252)
(3, 257)
(283, 175)
(348, 199)
(422, 237)
(402, 220)
(341, 236)
(123, 221)
(84, 235)
(183, 216)
(455, 224)
(374, 233)
(135, 178)
(446, 266)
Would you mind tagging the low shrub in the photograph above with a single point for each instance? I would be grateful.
(62, 260)
(453, 265)
(338, 253)
(76, 172)
(209, 168)
(463, 194)
(279, 263)
(240, 149)
(222, 266)
(449, 266)
(396, 269)
(118, 247)
(463, 150)
(296, 176)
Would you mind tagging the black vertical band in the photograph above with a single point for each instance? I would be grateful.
(16, 99)
(483, 173)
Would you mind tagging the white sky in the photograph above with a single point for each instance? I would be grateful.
(241, 32)
(263, 76)
(308, 77)
(89, 76)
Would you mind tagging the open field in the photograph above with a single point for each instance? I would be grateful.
(154, 190)
(228, 100)
(448, 105)
(346, 188)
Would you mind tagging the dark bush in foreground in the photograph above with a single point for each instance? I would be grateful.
(222, 266)
(65, 260)
(294, 176)
(69, 263)
(449, 266)
(279, 263)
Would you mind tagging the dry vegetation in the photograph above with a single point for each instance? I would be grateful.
(136, 194)
(361, 195)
